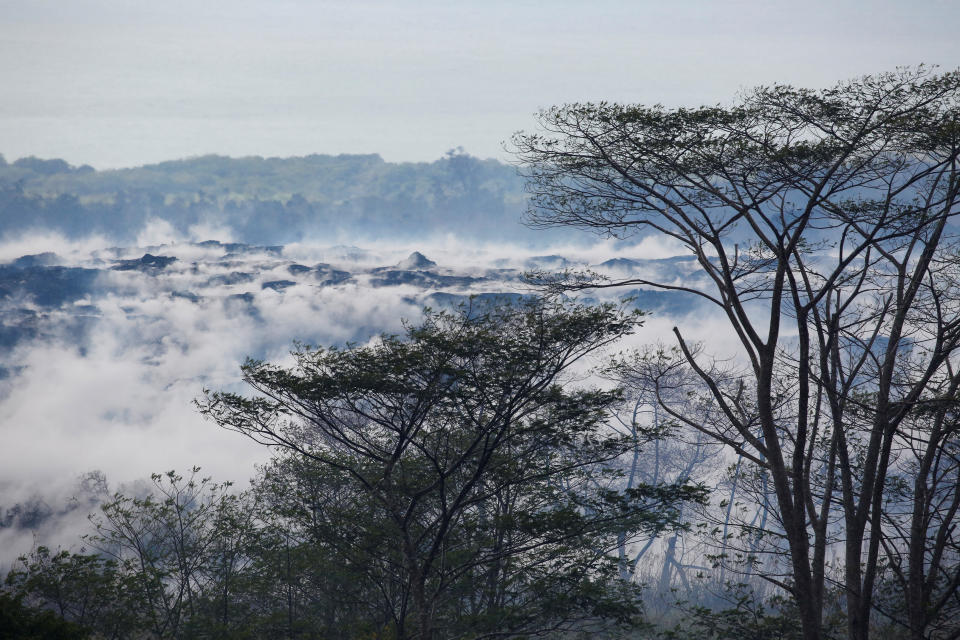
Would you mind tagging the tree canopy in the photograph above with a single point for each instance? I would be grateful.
(481, 484)
(823, 221)
(266, 200)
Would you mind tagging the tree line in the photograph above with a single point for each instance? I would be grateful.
(266, 200)
(449, 482)
(458, 482)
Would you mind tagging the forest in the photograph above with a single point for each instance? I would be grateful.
(267, 200)
(508, 470)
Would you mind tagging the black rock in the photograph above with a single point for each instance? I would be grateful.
(416, 260)
(298, 269)
(238, 248)
(186, 295)
(277, 285)
(45, 259)
(547, 262)
(477, 303)
(328, 276)
(148, 262)
(420, 279)
(48, 286)
(246, 298)
(625, 264)
(672, 303)
(235, 277)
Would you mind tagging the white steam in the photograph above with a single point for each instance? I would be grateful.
(117, 393)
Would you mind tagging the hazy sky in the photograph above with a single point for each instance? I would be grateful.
(124, 82)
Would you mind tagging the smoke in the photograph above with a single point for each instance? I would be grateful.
(71, 251)
(212, 226)
(107, 380)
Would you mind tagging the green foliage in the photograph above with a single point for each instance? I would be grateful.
(181, 549)
(457, 472)
(748, 619)
(171, 564)
(270, 200)
(741, 611)
(20, 622)
(450, 482)
(823, 223)
(85, 589)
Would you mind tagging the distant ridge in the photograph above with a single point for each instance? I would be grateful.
(271, 201)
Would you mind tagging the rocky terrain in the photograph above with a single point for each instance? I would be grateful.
(103, 351)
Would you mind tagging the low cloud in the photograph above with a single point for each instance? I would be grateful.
(107, 381)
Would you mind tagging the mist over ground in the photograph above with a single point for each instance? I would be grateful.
(104, 348)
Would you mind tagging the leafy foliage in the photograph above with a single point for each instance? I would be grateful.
(824, 222)
(20, 622)
(266, 200)
(477, 483)
(450, 482)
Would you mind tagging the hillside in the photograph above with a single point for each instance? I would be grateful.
(268, 200)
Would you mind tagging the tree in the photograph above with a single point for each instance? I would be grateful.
(475, 477)
(333, 567)
(181, 559)
(178, 552)
(823, 223)
(78, 588)
(20, 622)
(662, 452)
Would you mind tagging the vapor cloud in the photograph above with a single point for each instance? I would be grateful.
(107, 380)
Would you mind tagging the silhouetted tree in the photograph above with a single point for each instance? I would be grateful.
(822, 221)
(475, 477)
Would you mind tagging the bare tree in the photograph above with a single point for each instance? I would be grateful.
(663, 451)
(822, 220)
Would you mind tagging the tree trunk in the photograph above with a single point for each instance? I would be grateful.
(424, 619)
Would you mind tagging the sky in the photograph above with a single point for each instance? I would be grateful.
(116, 83)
